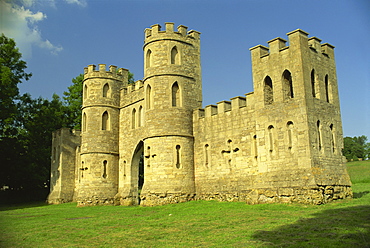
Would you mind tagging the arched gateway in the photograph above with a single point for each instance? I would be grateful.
(137, 172)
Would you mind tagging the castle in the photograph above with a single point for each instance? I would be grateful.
(152, 143)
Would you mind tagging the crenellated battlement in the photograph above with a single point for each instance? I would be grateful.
(297, 38)
(182, 33)
(234, 104)
(121, 74)
(137, 85)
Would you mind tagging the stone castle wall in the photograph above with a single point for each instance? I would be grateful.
(65, 153)
(151, 143)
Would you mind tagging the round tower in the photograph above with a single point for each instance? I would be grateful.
(173, 89)
(98, 169)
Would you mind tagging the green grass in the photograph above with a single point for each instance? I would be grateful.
(343, 223)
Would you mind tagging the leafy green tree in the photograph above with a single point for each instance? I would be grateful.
(27, 167)
(25, 129)
(73, 102)
(11, 74)
(131, 79)
(356, 147)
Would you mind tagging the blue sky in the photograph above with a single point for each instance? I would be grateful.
(58, 38)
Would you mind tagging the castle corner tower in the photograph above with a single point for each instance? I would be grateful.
(97, 173)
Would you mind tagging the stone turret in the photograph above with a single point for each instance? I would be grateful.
(98, 168)
(172, 84)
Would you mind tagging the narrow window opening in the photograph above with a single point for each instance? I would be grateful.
(106, 90)
(105, 169)
(175, 95)
(105, 121)
(206, 150)
(149, 102)
(82, 169)
(268, 91)
(229, 148)
(290, 135)
(174, 56)
(327, 88)
(140, 117)
(332, 138)
(147, 156)
(255, 149)
(178, 156)
(287, 85)
(85, 92)
(319, 136)
(148, 58)
(271, 138)
(313, 83)
(84, 122)
(133, 121)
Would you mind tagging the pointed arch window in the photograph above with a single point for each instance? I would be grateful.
(176, 101)
(313, 83)
(268, 91)
(84, 119)
(287, 85)
(140, 117)
(175, 56)
(105, 121)
(106, 90)
(133, 119)
(148, 58)
(85, 92)
(149, 97)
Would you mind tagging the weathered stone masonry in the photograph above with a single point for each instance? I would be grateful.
(151, 143)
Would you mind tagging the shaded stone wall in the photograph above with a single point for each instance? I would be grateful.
(65, 147)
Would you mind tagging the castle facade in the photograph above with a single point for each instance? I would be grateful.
(152, 143)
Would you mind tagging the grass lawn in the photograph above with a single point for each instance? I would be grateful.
(344, 223)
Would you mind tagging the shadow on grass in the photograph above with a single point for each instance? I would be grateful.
(343, 227)
(5, 207)
(360, 194)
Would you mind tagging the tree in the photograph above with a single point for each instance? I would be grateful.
(356, 147)
(11, 74)
(27, 156)
(130, 78)
(73, 102)
(26, 125)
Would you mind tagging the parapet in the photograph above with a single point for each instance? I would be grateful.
(297, 37)
(120, 74)
(234, 104)
(135, 86)
(182, 33)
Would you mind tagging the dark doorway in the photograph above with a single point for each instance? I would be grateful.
(137, 170)
(141, 173)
